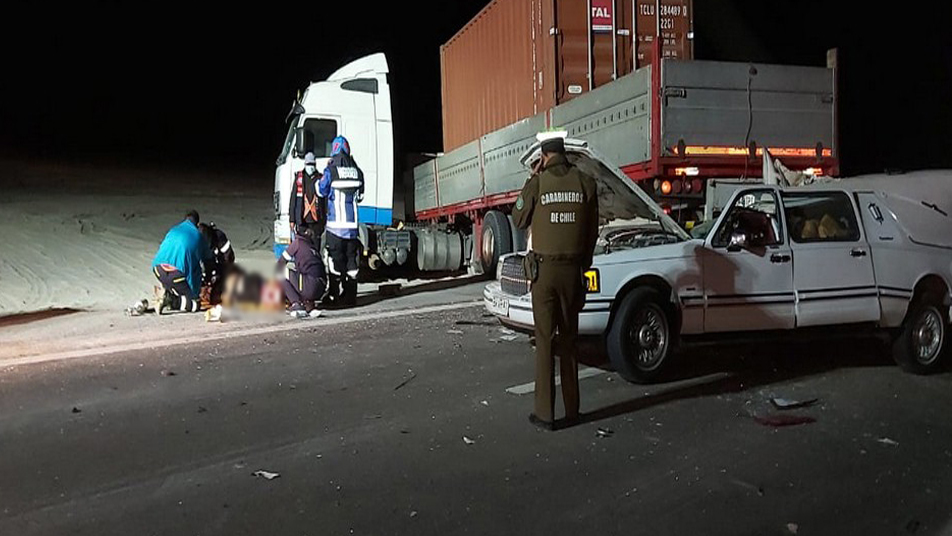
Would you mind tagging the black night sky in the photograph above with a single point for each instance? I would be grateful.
(194, 85)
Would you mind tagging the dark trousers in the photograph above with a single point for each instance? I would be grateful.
(177, 291)
(300, 288)
(343, 267)
(557, 298)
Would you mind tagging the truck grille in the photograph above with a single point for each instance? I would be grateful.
(513, 279)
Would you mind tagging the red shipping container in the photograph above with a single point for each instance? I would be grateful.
(518, 58)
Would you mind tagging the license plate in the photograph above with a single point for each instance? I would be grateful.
(499, 306)
(593, 282)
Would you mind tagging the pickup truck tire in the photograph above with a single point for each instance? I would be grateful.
(641, 343)
(922, 343)
(496, 240)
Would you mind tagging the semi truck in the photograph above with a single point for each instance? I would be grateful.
(671, 124)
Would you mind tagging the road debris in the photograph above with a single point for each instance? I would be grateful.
(202, 409)
(468, 441)
(793, 528)
(786, 403)
(485, 403)
(507, 331)
(413, 513)
(747, 485)
(267, 475)
(168, 373)
(454, 332)
(77, 410)
(887, 441)
(509, 338)
(604, 432)
(139, 308)
(405, 382)
(779, 421)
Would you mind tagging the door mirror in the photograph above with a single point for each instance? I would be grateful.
(300, 142)
(738, 242)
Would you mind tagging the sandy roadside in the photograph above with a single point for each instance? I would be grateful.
(83, 238)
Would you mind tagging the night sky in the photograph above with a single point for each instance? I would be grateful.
(189, 85)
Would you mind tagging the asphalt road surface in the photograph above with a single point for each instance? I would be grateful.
(405, 426)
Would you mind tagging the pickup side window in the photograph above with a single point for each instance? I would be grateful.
(821, 217)
(754, 214)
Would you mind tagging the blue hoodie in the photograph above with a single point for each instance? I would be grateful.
(185, 249)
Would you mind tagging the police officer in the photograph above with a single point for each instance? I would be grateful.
(308, 206)
(343, 186)
(560, 205)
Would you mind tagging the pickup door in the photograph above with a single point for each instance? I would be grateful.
(748, 284)
(832, 266)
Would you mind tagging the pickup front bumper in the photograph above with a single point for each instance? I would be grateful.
(515, 312)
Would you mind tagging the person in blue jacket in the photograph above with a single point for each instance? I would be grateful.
(178, 265)
(343, 186)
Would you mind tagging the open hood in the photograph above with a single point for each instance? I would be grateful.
(619, 198)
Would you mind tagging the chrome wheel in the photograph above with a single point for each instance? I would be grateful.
(488, 245)
(928, 336)
(648, 336)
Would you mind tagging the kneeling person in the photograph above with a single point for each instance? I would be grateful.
(304, 277)
(178, 265)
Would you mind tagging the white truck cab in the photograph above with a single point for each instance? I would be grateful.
(354, 102)
(777, 261)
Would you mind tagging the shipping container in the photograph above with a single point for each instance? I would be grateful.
(519, 58)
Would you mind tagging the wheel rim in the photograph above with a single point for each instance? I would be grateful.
(928, 336)
(648, 336)
(488, 246)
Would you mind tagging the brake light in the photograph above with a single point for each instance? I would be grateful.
(697, 150)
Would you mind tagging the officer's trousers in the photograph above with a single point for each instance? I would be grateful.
(343, 266)
(557, 298)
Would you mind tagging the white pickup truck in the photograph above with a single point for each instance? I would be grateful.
(777, 262)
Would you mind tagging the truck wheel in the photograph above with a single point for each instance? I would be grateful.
(495, 241)
(922, 342)
(640, 341)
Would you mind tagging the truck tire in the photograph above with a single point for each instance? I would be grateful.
(496, 241)
(641, 342)
(922, 345)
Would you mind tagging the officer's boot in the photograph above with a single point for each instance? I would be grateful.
(333, 291)
(350, 292)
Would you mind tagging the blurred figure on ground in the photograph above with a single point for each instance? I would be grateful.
(343, 186)
(178, 265)
(304, 279)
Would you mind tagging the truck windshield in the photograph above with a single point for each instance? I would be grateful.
(288, 143)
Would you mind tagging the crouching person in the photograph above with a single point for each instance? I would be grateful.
(178, 266)
(304, 279)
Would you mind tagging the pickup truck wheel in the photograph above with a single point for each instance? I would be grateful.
(922, 341)
(640, 342)
(496, 240)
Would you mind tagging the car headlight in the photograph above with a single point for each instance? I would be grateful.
(499, 270)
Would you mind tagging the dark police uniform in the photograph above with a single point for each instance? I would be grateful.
(560, 204)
